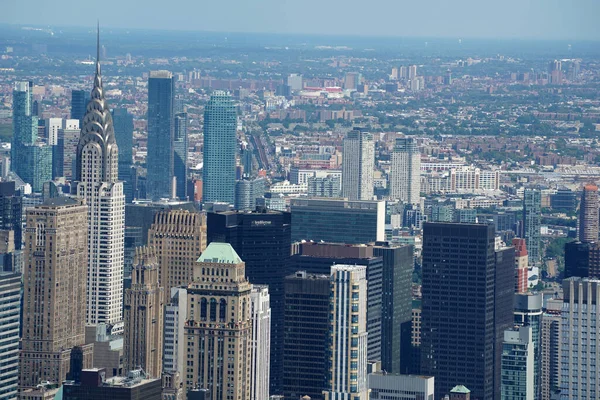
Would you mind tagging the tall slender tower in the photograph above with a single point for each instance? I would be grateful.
(260, 309)
(218, 331)
(54, 290)
(532, 219)
(98, 184)
(405, 172)
(588, 217)
(357, 165)
(144, 304)
(161, 97)
(180, 155)
(179, 238)
(218, 173)
(347, 376)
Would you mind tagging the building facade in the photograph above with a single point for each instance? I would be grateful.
(123, 122)
(63, 155)
(358, 165)
(579, 376)
(10, 317)
(159, 163)
(518, 362)
(260, 310)
(219, 329)
(180, 155)
(262, 239)
(338, 221)
(532, 219)
(220, 144)
(98, 184)
(588, 214)
(462, 334)
(144, 311)
(173, 339)
(306, 320)
(528, 312)
(54, 276)
(179, 237)
(550, 352)
(388, 386)
(347, 344)
(79, 100)
(405, 172)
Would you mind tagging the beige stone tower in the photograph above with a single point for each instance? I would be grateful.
(144, 305)
(218, 332)
(54, 293)
(179, 237)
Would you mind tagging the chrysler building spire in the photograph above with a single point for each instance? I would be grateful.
(97, 125)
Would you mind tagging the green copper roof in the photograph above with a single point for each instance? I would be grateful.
(460, 389)
(220, 253)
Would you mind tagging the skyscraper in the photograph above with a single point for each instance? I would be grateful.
(79, 100)
(123, 122)
(532, 219)
(144, 302)
(174, 347)
(347, 375)
(528, 312)
(588, 217)
(10, 311)
(98, 183)
(405, 172)
(159, 163)
(358, 165)
(180, 156)
(306, 331)
(467, 304)
(396, 306)
(550, 349)
(579, 375)
(220, 144)
(219, 329)
(63, 156)
(518, 365)
(11, 211)
(246, 193)
(262, 239)
(179, 237)
(317, 258)
(54, 290)
(31, 158)
(260, 309)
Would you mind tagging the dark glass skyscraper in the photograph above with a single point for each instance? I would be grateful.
(79, 100)
(306, 325)
(11, 211)
(467, 304)
(396, 306)
(220, 144)
(159, 162)
(262, 239)
(180, 156)
(123, 123)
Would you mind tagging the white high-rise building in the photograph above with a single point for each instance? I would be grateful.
(173, 339)
(260, 309)
(357, 165)
(10, 307)
(580, 375)
(348, 334)
(98, 184)
(51, 128)
(405, 172)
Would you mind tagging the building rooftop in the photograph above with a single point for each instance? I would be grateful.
(61, 201)
(460, 389)
(220, 253)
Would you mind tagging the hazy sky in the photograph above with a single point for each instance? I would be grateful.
(543, 19)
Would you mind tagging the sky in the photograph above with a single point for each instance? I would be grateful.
(524, 19)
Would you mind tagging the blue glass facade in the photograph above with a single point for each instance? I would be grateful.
(159, 162)
(220, 143)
